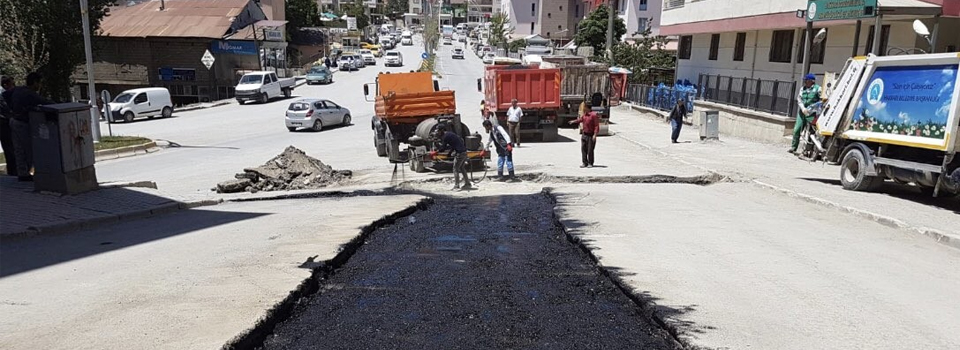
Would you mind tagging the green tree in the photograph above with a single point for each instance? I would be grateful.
(397, 7)
(46, 36)
(301, 14)
(647, 51)
(592, 31)
(516, 45)
(499, 29)
(356, 9)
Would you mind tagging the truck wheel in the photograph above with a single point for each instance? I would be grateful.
(853, 173)
(264, 98)
(286, 93)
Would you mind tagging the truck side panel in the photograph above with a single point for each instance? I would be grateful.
(533, 88)
(413, 108)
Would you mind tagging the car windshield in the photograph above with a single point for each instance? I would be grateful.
(393, 54)
(251, 79)
(366, 52)
(318, 70)
(123, 98)
(458, 50)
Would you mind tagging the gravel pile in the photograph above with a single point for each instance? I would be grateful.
(291, 170)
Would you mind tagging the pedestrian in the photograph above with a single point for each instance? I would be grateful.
(22, 101)
(484, 112)
(327, 62)
(589, 129)
(501, 141)
(6, 113)
(514, 113)
(676, 119)
(809, 95)
(453, 143)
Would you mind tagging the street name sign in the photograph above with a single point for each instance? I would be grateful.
(830, 10)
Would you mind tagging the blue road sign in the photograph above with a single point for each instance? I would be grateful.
(424, 55)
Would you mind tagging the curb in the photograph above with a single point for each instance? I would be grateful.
(941, 237)
(687, 120)
(124, 152)
(196, 107)
(97, 221)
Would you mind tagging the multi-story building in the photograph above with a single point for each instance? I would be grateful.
(638, 15)
(415, 7)
(481, 10)
(739, 39)
(551, 19)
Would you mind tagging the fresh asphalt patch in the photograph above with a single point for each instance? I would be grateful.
(481, 272)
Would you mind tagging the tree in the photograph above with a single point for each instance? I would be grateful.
(397, 7)
(46, 36)
(499, 29)
(592, 31)
(357, 10)
(645, 52)
(301, 14)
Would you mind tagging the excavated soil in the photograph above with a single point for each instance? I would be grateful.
(291, 170)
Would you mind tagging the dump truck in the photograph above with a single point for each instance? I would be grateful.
(537, 91)
(408, 109)
(894, 118)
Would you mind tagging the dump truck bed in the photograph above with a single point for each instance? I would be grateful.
(534, 88)
(410, 98)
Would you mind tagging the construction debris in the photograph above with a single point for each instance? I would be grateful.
(291, 170)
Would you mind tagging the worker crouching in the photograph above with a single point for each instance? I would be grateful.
(504, 146)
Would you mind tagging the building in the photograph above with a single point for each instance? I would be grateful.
(480, 11)
(551, 19)
(738, 39)
(161, 44)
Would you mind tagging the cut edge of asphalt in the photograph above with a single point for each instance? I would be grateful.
(254, 337)
(948, 239)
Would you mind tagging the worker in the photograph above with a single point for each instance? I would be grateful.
(809, 95)
(483, 110)
(501, 141)
(23, 100)
(514, 114)
(453, 143)
(676, 119)
(589, 129)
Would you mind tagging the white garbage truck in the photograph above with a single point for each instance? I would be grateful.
(895, 118)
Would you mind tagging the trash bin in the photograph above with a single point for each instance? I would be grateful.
(63, 148)
(710, 125)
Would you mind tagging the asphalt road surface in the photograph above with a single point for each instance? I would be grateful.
(478, 273)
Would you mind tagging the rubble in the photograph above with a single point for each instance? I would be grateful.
(291, 170)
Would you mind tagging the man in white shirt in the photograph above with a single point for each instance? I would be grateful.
(514, 113)
(500, 139)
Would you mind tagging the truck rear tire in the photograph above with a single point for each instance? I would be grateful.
(853, 173)
(287, 93)
(379, 145)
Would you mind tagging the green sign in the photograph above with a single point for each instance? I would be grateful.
(830, 10)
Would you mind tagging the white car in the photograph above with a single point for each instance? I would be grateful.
(346, 63)
(447, 41)
(143, 102)
(393, 58)
(458, 53)
(406, 40)
(368, 57)
(488, 57)
(315, 114)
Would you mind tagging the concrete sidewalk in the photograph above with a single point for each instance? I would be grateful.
(25, 212)
(770, 166)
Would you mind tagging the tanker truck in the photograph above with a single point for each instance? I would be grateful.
(408, 109)
(895, 118)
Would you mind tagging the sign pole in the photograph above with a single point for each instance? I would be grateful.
(807, 48)
(91, 89)
(877, 26)
(856, 38)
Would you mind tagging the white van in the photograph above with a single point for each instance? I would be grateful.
(143, 102)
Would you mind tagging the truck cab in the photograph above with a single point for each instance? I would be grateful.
(262, 87)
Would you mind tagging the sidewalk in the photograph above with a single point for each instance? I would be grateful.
(770, 166)
(25, 212)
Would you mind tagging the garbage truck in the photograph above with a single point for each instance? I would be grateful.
(894, 118)
(408, 109)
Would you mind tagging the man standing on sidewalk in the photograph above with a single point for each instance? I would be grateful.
(809, 95)
(23, 100)
(454, 143)
(589, 129)
(501, 140)
(514, 113)
(6, 136)
(676, 119)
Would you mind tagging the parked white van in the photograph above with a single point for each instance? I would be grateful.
(143, 102)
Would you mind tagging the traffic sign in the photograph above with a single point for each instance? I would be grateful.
(207, 59)
(424, 55)
(829, 10)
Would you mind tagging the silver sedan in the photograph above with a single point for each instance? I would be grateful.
(315, 114)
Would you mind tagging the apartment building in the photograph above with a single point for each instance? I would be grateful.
(481, 10)
(742, 39)
(551, 19)
(638, 15)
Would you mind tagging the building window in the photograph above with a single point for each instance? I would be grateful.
(642, 24)
(714, 46)
(781, 46)
(533, 9)
(816, 56)
(884, 38)
(548, 15)
(622, 7)
(561, 7)
(643, 5)
(686, 47)
(576, 10)
(740, 46)
(531, 27)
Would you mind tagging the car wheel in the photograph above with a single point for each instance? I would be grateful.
(167, 112)
(264, 98)
(239, 102)
(346, 120)
(128, 117)
(290, 129)
(317, 125)
(287, 93)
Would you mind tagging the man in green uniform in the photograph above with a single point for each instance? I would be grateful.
(809, 95)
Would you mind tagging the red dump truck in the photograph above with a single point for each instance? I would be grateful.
(537, 91)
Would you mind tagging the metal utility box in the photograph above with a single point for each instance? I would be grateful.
(710, 125)
(63, 148)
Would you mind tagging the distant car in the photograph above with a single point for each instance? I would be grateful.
(458, 53)
(347, 63)
(447, 41)
(488, 57)
(358, 60)
(462, 39)
(368, 57)
(319, 74)
(407, 40)
(143, 102)
(393, 58)
(315, 114)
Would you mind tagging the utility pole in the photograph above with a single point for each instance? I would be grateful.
(91, 89)
(807, 47)
(611, 14)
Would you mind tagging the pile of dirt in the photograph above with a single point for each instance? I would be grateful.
(290, 170)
